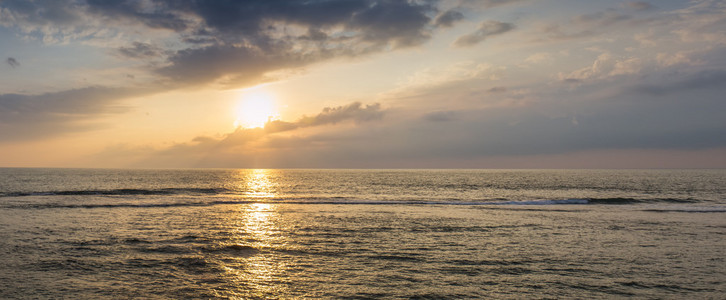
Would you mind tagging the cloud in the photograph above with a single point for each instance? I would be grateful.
(237, 42)
(467, 135)
(25, 117)
(244, 145)
(50, 21)
(239, 65)
(631, 65)
(140, 50)
(400, 23)
(153, 14)
(486, 4)
(355, 112)
(12, 62)
(250, 39)
(603, 67)
(644, 113)
(678, 58)
(486, 29)
(591, 25)
(448, 18)
(330, 115)
(701, 23)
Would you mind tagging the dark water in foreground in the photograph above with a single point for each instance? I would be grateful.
(362, 234)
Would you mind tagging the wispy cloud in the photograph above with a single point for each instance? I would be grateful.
(486, 30)
(448, 18)
(24, 117)
(139, 50)
(12, 62)
(604, 66)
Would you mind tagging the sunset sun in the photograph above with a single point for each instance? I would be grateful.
(255, 109)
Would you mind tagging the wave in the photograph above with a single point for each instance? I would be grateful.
(160, 203)
(123, 192)
(324, 200)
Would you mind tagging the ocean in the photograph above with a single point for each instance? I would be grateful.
(402, 234)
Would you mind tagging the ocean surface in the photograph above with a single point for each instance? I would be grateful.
(431, 234)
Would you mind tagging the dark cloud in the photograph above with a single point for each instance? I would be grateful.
(154, 14)
(242, 65)
(448, 18)
(12, 62)
(51, 21)
(58, 13)
(250, 18)
(32, 116)
(242, 41)
(486, 30)
(400, 23)
(251, 36)
(488, 3)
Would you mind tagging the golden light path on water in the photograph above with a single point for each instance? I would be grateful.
(257, 272)
(259, 183)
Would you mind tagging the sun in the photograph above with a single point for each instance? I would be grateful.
(255, 109)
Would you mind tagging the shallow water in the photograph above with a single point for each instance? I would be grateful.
(362, 234)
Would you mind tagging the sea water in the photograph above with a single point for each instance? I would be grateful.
(105, 233)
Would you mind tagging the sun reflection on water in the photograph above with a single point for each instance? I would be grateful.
(259, 184)
(261, 271)
(258, 275)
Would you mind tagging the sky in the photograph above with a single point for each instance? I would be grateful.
(363, 84)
